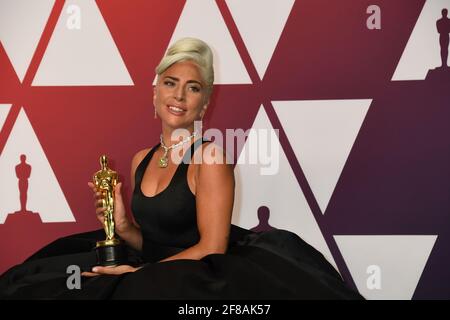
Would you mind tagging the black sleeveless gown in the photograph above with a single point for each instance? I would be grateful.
(274, 264)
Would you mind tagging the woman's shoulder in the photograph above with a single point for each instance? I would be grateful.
(212, 154)
(214, 163)
(139, 156)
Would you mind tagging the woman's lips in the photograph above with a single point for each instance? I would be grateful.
(174, 112)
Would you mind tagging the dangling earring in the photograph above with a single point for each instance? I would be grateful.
(155, 114)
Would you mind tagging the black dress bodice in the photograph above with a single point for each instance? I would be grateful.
(168, 220)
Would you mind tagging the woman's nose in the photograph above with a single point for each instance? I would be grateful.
(179, 94)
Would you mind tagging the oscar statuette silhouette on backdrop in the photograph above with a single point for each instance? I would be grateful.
(111, 251)
(441, 74)
(23, 172)
(23, 215)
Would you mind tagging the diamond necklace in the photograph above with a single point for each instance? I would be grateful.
(164, 161)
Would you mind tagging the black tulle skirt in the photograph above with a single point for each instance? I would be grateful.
(275, 264)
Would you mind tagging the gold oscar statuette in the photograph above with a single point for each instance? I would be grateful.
(111, 251)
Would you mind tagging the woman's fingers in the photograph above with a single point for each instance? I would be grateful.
(92, 186)
(116, 270)
(98, 270)
(99, 210)
(89, 274)
(97, 195)
(99, 203)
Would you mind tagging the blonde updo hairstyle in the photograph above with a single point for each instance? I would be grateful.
(191, 49)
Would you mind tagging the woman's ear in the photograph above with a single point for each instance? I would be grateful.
(154, 95)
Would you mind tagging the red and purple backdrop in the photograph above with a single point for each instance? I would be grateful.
(353, 86)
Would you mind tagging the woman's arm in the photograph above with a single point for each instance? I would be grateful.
(214, 193)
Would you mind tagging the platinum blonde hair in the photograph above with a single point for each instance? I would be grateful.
(194, 50)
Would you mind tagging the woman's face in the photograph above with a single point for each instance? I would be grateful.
(180, 95)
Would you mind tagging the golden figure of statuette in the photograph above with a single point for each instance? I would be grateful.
(110, 250)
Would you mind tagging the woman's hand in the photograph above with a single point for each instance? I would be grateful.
(120, 218)
(97, 271)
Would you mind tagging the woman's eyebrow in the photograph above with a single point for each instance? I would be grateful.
(194, 81)
(172, 78)
(189, 81)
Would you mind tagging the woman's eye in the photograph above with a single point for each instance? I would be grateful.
(169, 83)
(195, 89)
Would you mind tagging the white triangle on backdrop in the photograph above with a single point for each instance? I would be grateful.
(86, 56)
(4, 110)
(21, 25)
(279, 192)
(322, 133)
(44, 192)
(260, 23)
(422, 52)
(202, 19)
(397, 260)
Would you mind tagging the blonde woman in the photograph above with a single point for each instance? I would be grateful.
(182, 242)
